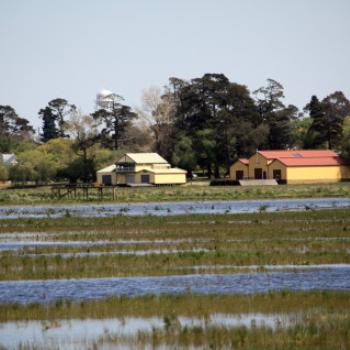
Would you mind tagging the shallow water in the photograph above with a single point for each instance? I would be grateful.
(171, 208)
(75, 334)
(122, 252)
(15, 245)
(11, 244)
(47, 291)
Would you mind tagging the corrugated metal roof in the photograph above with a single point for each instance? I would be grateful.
(108, 169)
(274, 154)
(312, 161)
(146, 158)
(244, 161)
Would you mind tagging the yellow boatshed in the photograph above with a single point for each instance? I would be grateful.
(134, 169)
(292, 166)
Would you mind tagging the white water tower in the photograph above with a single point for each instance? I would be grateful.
(105, 99)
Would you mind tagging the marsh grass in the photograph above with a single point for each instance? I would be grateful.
(53, 267)
(246, 239)
(189, 305)
(326, 333)
(43, 194)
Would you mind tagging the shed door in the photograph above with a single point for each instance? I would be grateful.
(277, 174)
(107, 180)
(145, 179)
(258, 174)
(239, 175)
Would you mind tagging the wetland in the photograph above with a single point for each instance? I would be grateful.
(268, 279)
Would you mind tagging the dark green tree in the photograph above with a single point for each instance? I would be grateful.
(13, 129)
(275, 115)
(49, 129)
(327, 120)
(13, 125)
(184, 156)
(316, 135)
(211, 111)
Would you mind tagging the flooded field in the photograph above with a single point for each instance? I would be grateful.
(48, 291)
(88, 279)
(77, 334)
(172, 208)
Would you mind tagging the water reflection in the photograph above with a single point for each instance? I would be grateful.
(171, 208)
(47, 291)
(77, 334)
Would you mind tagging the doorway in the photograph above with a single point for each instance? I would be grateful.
(107, 180)
(239, 175)
(145, 179)
(258, 173)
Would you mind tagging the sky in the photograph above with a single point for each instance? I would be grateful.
(74, 48)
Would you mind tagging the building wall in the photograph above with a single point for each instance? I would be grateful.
(314, 174)
(257, 161)
(277, 165)
(238, 166)
(171, 179)
(157, 179)
(113, 177)
(140, 167)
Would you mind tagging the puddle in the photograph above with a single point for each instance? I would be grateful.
(75, 333)
(47, 291)
(171, 208)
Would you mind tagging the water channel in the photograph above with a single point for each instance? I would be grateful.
(171, 208)
(47, 291)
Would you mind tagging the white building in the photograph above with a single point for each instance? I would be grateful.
(8, 159)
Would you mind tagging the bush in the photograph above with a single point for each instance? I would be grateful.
(4, 174)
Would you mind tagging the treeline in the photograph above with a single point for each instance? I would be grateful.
(203, 124)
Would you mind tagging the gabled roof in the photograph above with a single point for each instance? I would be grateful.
(144, 158)
(311, 161)
(108, 169)
(274, 154)
(244, 161)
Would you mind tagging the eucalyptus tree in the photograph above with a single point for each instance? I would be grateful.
(114, 119)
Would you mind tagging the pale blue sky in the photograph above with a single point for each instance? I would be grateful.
(74, 48)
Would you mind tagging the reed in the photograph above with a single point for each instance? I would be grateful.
(190, 305)
(196, 192)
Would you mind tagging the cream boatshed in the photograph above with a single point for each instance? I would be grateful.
(292, 166)
(135, 169)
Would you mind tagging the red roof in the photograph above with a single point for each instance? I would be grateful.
(244, 161)
(297, 154)
(312, 161)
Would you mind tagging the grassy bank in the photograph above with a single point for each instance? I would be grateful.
(189, 305)
(321, 320)
(43, 195)
(312, 237)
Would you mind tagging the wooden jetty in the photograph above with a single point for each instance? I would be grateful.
(82, 191)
